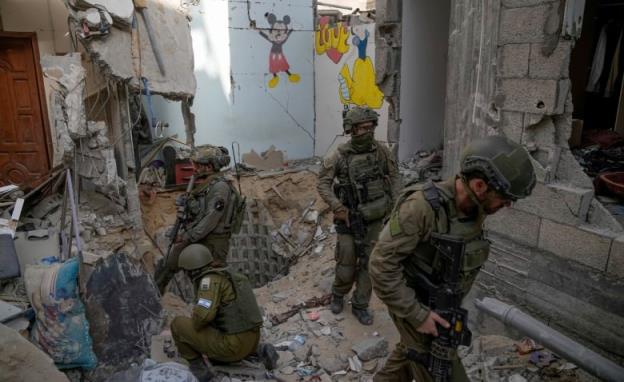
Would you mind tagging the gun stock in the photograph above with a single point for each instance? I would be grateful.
(179, 222)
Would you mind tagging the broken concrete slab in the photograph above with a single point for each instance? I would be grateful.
(121, 10)
(114, 53)
(124, 311)
(20, 360)
(371, 348)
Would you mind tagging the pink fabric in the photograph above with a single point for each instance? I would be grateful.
(278, 63)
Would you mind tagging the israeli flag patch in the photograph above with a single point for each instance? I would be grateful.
(204, 303)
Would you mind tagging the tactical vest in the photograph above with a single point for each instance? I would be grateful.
(425, 259)
(365, 176)
(242, 314)
(197, 204)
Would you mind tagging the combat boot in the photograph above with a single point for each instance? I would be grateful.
(201, 370)
(337, 304)
(362, 315)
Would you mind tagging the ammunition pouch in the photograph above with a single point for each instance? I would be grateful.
(375, 210)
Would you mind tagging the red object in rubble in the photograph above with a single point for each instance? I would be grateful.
(183, 172)
(606, 139)
(611, 181)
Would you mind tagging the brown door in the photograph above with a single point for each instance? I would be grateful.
(24, 155)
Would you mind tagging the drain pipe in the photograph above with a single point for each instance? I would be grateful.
(588, 360)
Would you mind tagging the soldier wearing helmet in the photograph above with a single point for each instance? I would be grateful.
(226, 320)
(494, 172)
(358, 181)
(209, 210)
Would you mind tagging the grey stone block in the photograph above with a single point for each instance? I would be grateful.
(529, 96)
(560, 203)
(371, 348)
(512, 125)
(555, 66)
(514, 60)
(616, 258)
(599, 216)
(575, 243)
(515, 224)
(524, 3)
(523, 25)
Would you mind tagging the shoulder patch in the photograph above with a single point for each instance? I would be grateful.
(204, 303)
(219, 205)
(394, 224)
(205, 284)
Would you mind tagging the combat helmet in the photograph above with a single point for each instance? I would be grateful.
(358, 115)
(194, 257)
(506, 164)
(217, 156)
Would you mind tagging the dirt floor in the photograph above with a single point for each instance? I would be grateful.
(326, 353)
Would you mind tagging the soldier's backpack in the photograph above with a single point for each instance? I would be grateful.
(238, 206)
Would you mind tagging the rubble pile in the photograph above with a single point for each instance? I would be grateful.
(422, 166)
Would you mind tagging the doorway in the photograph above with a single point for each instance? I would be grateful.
(25, 150)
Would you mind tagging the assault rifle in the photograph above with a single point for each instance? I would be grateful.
(445, 297)
(180, 220)
(346, 194)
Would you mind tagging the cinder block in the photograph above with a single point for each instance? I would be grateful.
(514, 60)
(512, 125)
(523, 25)
(616, 257)
(514, 224)
(563, 204)
(575, 243)
(541, 134)
(529, 96)
(524, 3)
(555, 66)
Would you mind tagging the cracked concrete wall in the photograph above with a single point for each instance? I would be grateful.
(558, 253)
(234, 101)
(328, 105)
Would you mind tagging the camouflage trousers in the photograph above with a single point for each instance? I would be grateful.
(352, 267)
(209, 341)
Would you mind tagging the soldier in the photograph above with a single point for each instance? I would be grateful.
(358, 181)
(494, 172)
(226, 320)
(209, 211)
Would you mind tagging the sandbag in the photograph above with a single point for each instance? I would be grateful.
(61, 328)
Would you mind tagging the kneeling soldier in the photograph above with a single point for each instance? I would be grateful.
(226, 320)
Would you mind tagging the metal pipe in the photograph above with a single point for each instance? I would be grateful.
(333, 5)
(587, 359)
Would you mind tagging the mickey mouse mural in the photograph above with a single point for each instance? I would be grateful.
(277, 36)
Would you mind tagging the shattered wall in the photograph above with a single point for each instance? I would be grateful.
(237, 98)
(344, 76)
(559, 252)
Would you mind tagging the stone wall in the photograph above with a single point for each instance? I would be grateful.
(558, 253)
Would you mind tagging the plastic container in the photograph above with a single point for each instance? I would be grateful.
(297, 342)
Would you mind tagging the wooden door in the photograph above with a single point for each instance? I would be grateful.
(24, 136)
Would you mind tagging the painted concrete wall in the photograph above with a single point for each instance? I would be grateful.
(234, 99)
(329, 66)
(423, 75)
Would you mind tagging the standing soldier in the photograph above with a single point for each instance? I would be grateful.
(226, 320)
(494, 172)
(209, 211)
(358, 181)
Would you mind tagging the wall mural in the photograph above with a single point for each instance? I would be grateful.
(331, 40)
(358, 87)
(277, 36)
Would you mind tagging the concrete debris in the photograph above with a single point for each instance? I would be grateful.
(67, 79)
(422, 166)
(267, 160)
(114, 53)
(122, 11)
(371, 348)
(355, 364)
(16, 351)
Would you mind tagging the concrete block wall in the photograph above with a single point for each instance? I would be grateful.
(558, 254)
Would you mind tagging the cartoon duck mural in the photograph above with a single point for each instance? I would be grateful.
(358, 87)
(277, 36)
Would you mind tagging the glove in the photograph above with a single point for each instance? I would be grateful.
(181, 212)
(342, 213)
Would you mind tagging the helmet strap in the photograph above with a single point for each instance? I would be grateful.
(472, 195)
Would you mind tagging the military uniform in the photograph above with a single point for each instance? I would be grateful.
(372, 178)
(226, 320)
(403, 251)
(211, 208)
